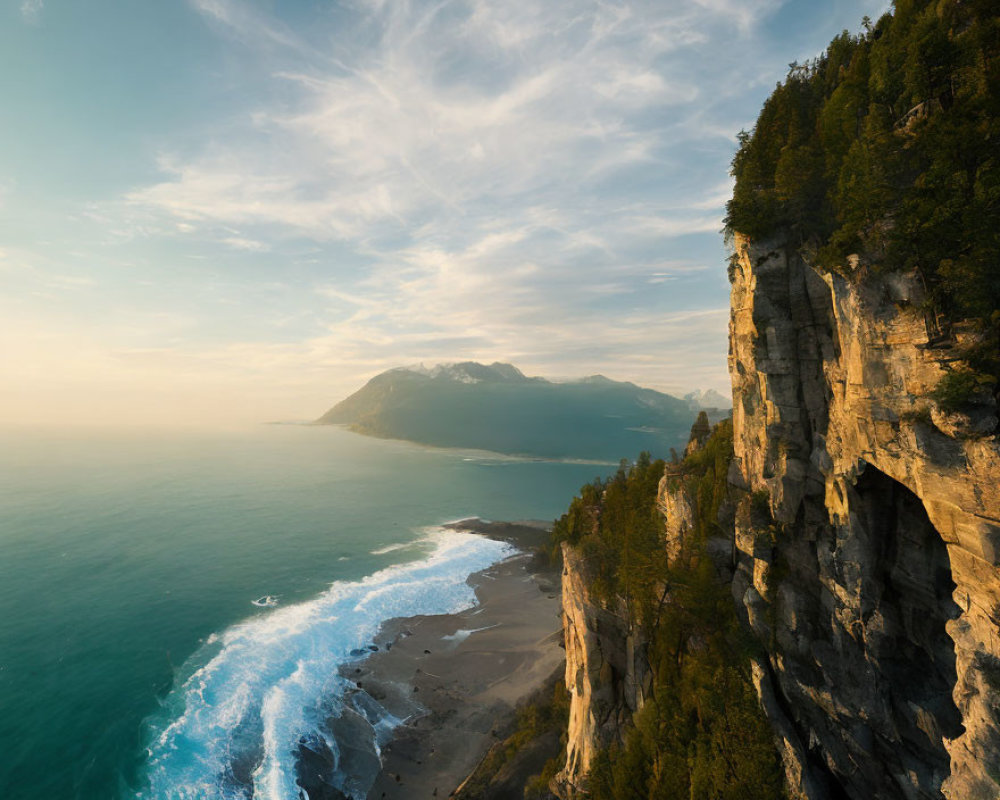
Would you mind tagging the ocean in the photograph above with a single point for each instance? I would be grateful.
(134, 663)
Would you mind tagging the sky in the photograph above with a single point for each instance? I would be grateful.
(233, 211)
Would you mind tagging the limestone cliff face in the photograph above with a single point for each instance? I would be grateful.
(677, 503)
(875, 584)
(607, 674)
(677, 506)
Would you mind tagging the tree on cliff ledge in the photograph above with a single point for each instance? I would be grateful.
(888, 146)
(701, 734)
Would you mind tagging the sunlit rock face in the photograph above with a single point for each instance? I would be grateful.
(875, 584)
(677, 505)
(607, 672)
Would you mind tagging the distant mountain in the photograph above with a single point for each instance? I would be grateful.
(496, 407)
(698, 400)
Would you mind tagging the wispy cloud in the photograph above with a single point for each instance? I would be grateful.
(395, 182)
(31, 11)
(487, 163)
(746, 13)
(240, 19)
(455, 106)
(242, 243)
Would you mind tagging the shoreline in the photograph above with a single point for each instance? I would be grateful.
(455, 680)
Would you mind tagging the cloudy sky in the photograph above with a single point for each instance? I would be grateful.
(239, 210)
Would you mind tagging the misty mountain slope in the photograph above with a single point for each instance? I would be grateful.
(498, 408)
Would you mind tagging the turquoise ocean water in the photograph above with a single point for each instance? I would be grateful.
(133, 663)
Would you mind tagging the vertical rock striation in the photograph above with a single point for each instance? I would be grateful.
(869, 549)
(677, 506)
(607, 674)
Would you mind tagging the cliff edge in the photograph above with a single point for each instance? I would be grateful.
(607, 674)
(876, 588)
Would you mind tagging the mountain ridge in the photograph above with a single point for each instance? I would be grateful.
(497, 407)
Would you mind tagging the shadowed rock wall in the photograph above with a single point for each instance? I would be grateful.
(875, 582)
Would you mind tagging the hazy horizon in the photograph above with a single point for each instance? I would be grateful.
(224, 212)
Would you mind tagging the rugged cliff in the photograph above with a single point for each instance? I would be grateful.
(607, 672)
(657, 663)
(859, 534)
(858, 524)
(875, 588)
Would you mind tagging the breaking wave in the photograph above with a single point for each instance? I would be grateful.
(262, 704)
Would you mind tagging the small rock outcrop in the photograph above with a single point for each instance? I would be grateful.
(676, 504)
(607, 674)
(868, 547)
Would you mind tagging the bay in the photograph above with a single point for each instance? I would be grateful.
(122, 553)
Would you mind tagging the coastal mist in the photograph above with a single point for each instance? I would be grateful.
(176, 605)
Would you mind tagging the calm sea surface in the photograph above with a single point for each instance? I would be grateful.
(132, 660)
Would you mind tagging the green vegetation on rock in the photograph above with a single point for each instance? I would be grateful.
(886, 146)
(535, 739)
(702, 734)
(617, 527)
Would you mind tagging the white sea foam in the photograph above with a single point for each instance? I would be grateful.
(257, 695)
(461, 635)
(392, 548)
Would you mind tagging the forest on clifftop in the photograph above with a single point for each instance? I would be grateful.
(887, 147)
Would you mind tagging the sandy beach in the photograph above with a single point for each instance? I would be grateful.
(456, 679)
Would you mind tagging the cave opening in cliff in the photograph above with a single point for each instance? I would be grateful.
(906, 614)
